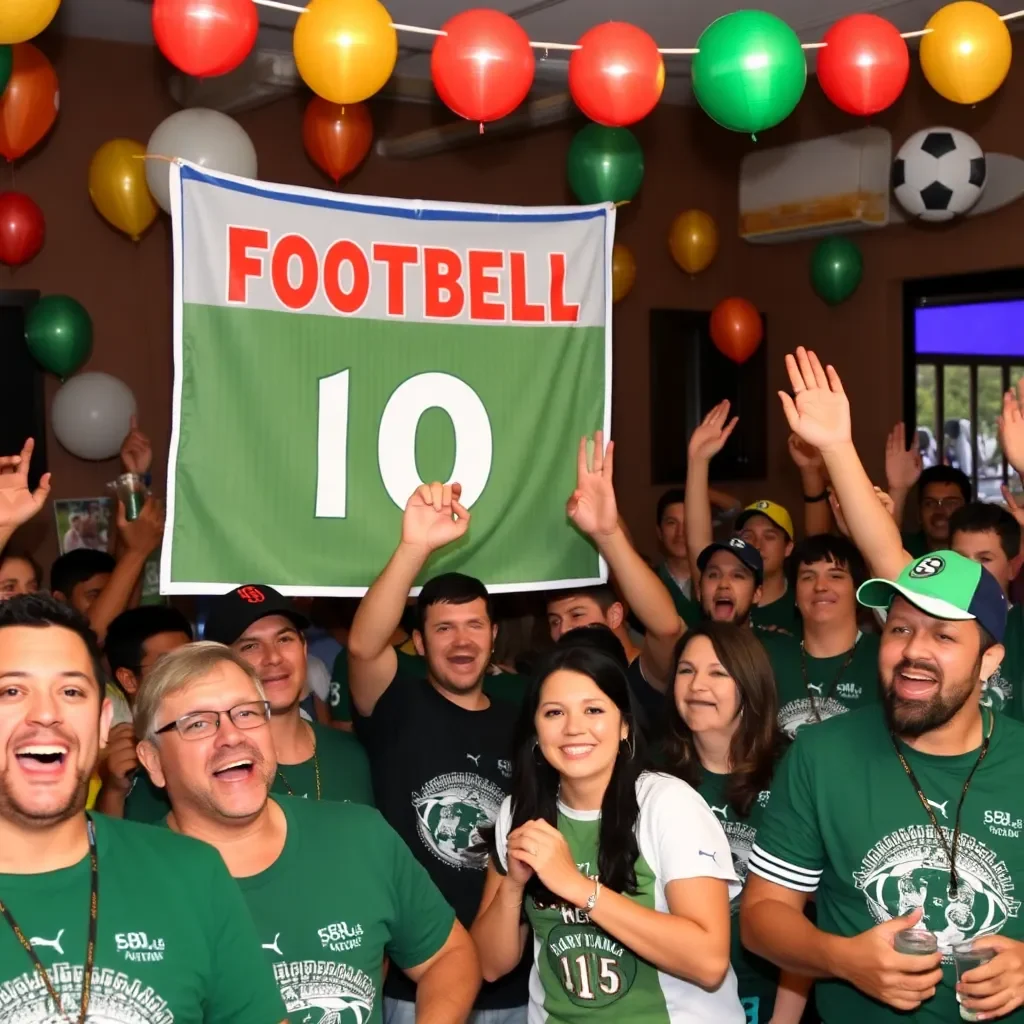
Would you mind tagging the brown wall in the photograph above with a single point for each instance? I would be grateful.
(111, 90)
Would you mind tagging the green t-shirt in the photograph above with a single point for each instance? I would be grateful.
(688, 609)
(175, 942)
(844, 821)
(1004, 690)
(339, 702)
(780, 616)
(509, 687)
(833, 685)
(344, 776)
(581, 974)
(327, 950)
(758, 980)
(916, 544)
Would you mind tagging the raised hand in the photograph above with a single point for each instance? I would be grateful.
(1011, 427)
(434, 516)
(1013, 506)
(818, 411)
(17, 503)
(710, 437)
(592, 505)
(144, 535)
(136, 450)
(902, 463)
(805, 456)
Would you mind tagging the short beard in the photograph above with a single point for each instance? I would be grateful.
(11, 810)
(914, 718)
(454, 688)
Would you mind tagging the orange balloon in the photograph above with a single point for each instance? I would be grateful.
(736, 329)
(623, 272)
(29, 104)
(337, 137)
(693, 240)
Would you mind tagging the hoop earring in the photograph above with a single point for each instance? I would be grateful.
(538, 758)
(630, 742)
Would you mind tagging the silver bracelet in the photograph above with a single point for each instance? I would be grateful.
(592, 898)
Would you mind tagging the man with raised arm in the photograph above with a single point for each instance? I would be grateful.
(440, 749)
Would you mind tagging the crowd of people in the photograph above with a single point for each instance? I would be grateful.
(771, 779)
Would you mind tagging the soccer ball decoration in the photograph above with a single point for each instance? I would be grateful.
(938, 174)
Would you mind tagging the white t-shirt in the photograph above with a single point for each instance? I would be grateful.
(678, 837)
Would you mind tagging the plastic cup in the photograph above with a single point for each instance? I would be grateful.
(916, 942)
(132, 492)
(966, 958)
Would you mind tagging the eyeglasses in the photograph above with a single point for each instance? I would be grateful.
(199, 725)
(946, 504)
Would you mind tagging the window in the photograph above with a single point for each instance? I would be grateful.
(963, 348)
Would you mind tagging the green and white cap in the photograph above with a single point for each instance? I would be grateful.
(946, 586)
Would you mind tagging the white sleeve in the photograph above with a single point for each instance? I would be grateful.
(318, 679)
(502, 827)
(679, 836)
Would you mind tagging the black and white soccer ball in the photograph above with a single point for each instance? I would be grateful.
(938, 174)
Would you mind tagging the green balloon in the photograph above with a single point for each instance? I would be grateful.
(58, 331)
(750, 72)
(6, 66)
(605, 165)
(836, 269)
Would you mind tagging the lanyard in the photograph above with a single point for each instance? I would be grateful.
(90, 953)
(815, 713)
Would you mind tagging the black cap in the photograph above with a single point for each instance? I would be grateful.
(232, 614)
(746, 553)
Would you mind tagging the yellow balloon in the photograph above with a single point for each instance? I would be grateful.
(693, 240)
(22, 20)
(345, 50)
(623, 272)
(965, 53)
(117, 187)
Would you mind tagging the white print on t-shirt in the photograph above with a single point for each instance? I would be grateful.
(138, 946)
(996, 692)
(795, 714)
(340, 936)
(115, 998)
(52, 943)
(451, 810)
(910, 869)
(339, 992)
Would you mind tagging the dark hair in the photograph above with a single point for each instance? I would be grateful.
(450, 588)
(131, 629)
(758, 742)
(676, 496)
(76, 567)
(534, 786)
(603, 594)
(827, 547)
(10, 553)
(944, 475)
(598, 636)
(42, 610)
(985, 517)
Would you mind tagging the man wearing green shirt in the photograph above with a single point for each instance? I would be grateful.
(204, 719)
(152, 919)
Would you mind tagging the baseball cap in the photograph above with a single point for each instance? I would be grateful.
(770, 510)
(746, 553)
(232, 614)
(946, 586)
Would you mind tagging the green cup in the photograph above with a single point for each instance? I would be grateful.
(132, 492)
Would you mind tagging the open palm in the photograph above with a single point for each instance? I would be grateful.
(592, 506)
(818, 411)
(710, 436)
(434, 517)
(1011, 427)
(17, 503)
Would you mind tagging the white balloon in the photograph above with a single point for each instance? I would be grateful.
(204, 137)
(91, 415)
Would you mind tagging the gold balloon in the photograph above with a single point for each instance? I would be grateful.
(693, 240)
(623, 272)
(965, 54)
(22, 20)
(345, 50)
(117, 187)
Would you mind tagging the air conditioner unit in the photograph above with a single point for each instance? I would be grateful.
(839, 183)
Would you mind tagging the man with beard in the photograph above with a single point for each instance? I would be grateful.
(203, 716)
(902, 815)
(730, 576)
(103, 920)
(440, 748)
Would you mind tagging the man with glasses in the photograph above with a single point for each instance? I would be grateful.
(151, 920)
(204, 719)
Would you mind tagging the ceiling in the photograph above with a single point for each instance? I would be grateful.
(673, 23)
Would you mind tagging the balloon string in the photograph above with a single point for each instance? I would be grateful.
(671, 51)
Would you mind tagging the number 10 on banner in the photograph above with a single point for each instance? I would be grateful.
(396, 439)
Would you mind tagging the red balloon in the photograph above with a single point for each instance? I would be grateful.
(29, 104)
(22, 228)
(864, 65)
(337, 138)
(483, 68)
(205, 37)
(736, 329)
(617, 75)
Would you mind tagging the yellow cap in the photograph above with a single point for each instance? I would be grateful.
(770, 510)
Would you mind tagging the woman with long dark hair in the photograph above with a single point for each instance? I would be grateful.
(622, 874)
(724, 740)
